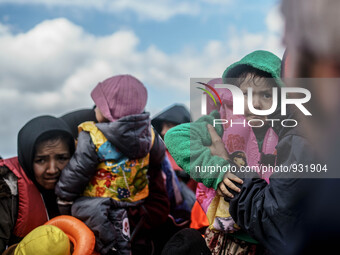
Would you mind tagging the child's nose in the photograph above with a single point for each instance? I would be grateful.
(257, 102)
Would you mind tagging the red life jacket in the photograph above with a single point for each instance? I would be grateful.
(32, 211)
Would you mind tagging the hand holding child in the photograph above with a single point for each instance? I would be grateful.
(217, 148)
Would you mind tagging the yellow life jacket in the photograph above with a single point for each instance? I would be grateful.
(117, 177)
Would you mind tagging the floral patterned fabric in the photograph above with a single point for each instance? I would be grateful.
(117, 177)
(224, 244)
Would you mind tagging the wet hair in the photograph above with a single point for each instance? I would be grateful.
(53, 136)
(255, 75)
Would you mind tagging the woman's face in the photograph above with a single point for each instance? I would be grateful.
(50, 158)
(262, 97)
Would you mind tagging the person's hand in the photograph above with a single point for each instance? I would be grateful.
(227, 182)
(217, 146)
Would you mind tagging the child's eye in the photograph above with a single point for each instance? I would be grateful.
(245, 93)
(267, 95)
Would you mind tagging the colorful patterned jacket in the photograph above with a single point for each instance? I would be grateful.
(117, 176)
(111, 160)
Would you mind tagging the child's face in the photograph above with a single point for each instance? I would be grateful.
(239, 161)
(99, 116)
(262, 97)
(165, 128)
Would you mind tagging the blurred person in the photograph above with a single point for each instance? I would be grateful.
(27, 182)
(165, 120)
(312, 35)
(170, 117)
(180, 187)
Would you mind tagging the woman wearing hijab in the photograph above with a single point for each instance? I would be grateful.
(27, 182)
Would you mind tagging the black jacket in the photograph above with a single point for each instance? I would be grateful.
(132, 137)
(271, 212)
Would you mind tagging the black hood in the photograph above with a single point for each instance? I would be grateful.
(73, 119)
(176, 114)
(30, 133)
(131, 134)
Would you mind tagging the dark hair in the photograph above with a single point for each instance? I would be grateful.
(56, 136)
(239, 154)
(255, 74)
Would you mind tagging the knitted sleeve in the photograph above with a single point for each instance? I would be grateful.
(189, 145)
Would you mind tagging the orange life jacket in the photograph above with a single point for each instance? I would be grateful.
(198, 217)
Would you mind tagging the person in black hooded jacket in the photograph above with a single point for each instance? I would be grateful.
(27, 182)
(170, 117)
(270, 211)
(113, 163)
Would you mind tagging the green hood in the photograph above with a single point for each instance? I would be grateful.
(260, 59)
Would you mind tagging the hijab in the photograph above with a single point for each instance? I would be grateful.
(27, 142)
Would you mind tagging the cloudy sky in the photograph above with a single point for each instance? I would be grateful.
(54, 52)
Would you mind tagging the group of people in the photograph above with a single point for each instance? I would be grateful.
(133, 180)
(106, 166)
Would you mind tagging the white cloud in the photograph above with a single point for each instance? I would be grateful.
(52, 68)
(274, 20)
(3, 30)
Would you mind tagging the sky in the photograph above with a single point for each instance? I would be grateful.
(54, 52)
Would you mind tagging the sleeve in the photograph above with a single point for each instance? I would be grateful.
(79, 171)
(157, 152)
(269, 212)
(189, 143)
(8, 210)
(156, 205)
